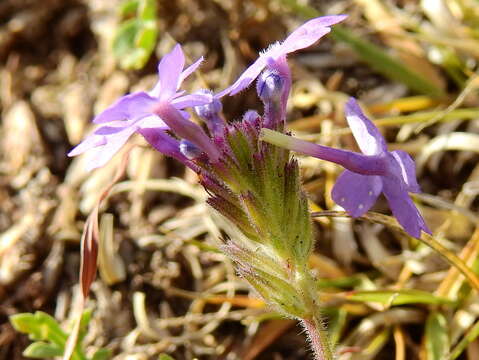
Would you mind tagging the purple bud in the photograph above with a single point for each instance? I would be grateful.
(251, 116)
(189, 150)
(186, 129)
(270, 86)
(210, 113)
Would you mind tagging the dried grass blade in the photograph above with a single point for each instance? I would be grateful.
(468, 255)
(266, 336)
(399, 340)
(373, 55)
(391, 223)
(470, 336)
(89, 255)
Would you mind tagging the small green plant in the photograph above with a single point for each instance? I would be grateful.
(49, 338)
(136, 36)
(165, 357)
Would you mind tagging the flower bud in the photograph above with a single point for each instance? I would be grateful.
(210, 110)
(250, 116)
(270, 86)
(189, 150)
(211, 114)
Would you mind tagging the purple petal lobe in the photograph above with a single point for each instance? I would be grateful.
(102, 154)
(169, 71)
(109, 130)
(367, 135)
(189, 70)
(152, 121)
(356, 193)
(407, 169)
(403, 208)
(90, 142)
(191, 100)
(128, 107)
(246, 78)
(310, 32)
(161, 141)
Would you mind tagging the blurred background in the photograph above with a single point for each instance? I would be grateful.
(164, 286)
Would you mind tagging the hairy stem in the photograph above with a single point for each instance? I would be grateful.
(313, 324)
(318, 338)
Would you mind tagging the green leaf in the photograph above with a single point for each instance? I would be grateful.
(437, 339)
(146, 37)
(147, 10)
(40, 350)
(39, 326)
(26, 323)
(43, 327)
(84, 321)
(125, 37)
(397, 297)
(135, 39)
(50, 329)
(373, 55)
(128, 7)
(165, 357)
(101, 354)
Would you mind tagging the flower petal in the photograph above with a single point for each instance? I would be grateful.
(128, 107)
(367, 135)
(309, 33)
(356, 193)
(161, 141)
(169, 72)
(189, 70)
(90, 142)
(102, 154)
(152, 121)
(403, 208)
(407, 169)
(191, 100)
(246, 78)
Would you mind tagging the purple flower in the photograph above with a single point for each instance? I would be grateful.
(367, 175)
(137, 111)
(274, 57)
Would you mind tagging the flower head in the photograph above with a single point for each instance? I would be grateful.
(136, 111)
(274, 56)
(356, 193)
(369, 174)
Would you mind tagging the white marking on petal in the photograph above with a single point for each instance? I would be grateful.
(367, 142)
(361, 206)
(402, 166)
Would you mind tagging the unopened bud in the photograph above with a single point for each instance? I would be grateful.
(211, 114)
(189, 150)
(269, 86)
(210, 110)
(251, 117)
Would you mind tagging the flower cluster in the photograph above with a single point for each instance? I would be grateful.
(254, 183)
